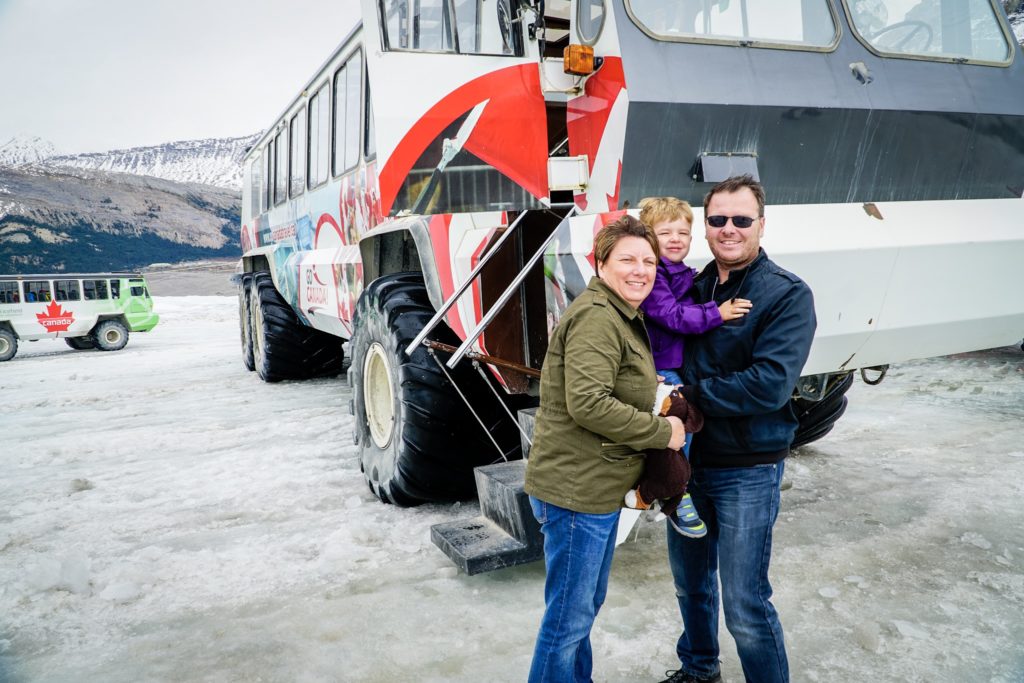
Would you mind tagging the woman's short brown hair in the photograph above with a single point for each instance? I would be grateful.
(627, 226)
(654, 210)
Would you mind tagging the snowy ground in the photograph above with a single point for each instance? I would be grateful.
(164, 516)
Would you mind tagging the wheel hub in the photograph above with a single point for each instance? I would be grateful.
(378, 396)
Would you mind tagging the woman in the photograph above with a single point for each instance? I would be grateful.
(596, 392)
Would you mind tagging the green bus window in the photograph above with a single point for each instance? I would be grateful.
(9, 293)
(67, 290)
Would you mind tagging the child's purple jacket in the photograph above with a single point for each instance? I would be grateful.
(671, 311)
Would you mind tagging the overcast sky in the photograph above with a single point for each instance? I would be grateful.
(93, 75)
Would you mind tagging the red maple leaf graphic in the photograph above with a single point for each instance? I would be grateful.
(55, 318)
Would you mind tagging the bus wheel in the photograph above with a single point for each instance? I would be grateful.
(417, 440)
(110, 335)
(817, 418)
(8, 345)
(282, 346)
(80, 343)
(245, 320)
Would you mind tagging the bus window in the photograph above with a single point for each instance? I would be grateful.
(94, 289)
(280, 166)
(428, 26)
(369, 140)
(347, 81)
(37, 290)
(319, 137)
(9, 293)
(941, 29)
(589, 20)
(115, 289)
(67, 290)
(297, 160)
(254, 184)
(268, 175)
(138, 291)
(787, 23)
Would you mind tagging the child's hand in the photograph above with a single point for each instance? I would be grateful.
(734, 308)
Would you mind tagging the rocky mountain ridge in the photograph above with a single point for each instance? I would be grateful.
(74, 219)
(211, 161)
(25, 149)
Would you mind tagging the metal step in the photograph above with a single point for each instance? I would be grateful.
(504, 535)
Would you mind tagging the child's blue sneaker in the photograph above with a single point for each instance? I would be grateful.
(686, 521)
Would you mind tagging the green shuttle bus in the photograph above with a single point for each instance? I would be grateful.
(88, 311)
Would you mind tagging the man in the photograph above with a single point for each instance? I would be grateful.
(741, 375)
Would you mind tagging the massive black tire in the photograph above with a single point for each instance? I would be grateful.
(80, 343)
(245, 320)
(417, 440)
(8, 344)
(817, 418)
(109, 335)
(282, 346)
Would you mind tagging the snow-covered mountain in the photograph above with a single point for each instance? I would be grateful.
(119, 209)
(25, 149)
(213, 161)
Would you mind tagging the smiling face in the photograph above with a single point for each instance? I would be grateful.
(734, 247)
(674, 239)
(629, 269)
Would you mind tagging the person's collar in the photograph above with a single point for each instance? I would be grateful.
(711, 269)
(599, 285)
(673, 268)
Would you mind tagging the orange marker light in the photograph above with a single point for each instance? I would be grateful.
(578, 59)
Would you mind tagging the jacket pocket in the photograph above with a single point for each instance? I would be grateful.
(617, 452)
(633, 365)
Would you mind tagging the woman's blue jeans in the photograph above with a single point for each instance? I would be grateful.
(739, 505)
(578, 550)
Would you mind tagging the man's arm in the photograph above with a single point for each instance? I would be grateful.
(779, 354)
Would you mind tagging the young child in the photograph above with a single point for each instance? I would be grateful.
(670, 312)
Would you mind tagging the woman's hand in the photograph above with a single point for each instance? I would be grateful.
(678, 438)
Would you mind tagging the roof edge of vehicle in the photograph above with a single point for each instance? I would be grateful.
(71, 276)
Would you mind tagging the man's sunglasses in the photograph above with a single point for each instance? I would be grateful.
(738, 221)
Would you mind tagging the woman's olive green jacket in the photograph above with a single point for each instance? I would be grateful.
(596, 393)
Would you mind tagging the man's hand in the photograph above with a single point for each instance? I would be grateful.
(734, 308)
(678, 438)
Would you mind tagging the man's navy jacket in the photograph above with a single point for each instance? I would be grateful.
(742, 374)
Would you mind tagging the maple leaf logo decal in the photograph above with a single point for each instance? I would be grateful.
(55, 318)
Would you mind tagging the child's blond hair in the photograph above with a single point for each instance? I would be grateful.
(654, 210)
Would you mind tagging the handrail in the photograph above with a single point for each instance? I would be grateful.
(505, 296)
(441, 312)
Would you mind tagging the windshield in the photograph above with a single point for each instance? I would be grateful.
(785, 23)
(462, 26)
(944, 29)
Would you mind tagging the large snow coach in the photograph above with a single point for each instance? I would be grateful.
(88, 311)
(432, 193)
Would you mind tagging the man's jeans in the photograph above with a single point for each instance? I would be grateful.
(578, 551)
(739, 506)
